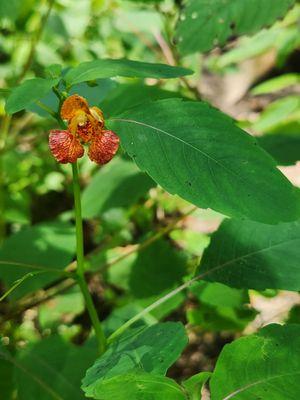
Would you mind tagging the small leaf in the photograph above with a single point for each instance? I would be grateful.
(264, 366)
(204, 24)
(276, 84)
(246, 254)
(109, 68)
(27, 93)
(152, 349)
(195, 151)
(195, 383)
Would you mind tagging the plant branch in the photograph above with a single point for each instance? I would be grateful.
(80, 264)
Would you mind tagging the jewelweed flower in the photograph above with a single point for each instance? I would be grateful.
(86, 125)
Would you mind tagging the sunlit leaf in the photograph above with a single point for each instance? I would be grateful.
(108, 68)
(265, 365)
(151, 350)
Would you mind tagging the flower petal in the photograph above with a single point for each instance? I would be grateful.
(97, 114)
(71, 105)
(64, 146)
(103, 147)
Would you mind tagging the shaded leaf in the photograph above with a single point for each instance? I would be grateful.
(284, 148)
(27, 93)
(6, 373)
(194, 150)
(126, 96)
(118, 184)
(205, 24)
(246, 254)
(52, 369)
(157, 268)
(49, 245)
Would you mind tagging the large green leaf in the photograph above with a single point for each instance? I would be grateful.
(151, 350)
(48, 245)
(262, 366)
(27, 93)
(108, 68)
(51, 369)
(194, 150)
(247, 254)
(205, 24)
(118, 184)
(136, 386)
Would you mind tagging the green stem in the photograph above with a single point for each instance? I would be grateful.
(80, 264)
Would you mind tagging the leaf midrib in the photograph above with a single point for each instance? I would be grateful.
(250, 385)
(208, 156)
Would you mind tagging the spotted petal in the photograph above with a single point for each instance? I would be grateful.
(72, 105)
(64, 146)
(103, 147)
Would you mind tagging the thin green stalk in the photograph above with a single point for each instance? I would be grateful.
(80, 264)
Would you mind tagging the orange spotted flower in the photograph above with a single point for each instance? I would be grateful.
(85, 126)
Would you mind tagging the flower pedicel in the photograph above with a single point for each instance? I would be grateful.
(85, 126)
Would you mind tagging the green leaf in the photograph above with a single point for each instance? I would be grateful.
(221, 318)
(151, 350)
(137, 386)
(49, 245)
(6, 373)
(246, 254)
(282, 111)
(194, 384)
(126, 96)
(261, 366)
(52, 369)
(108, 68)
(217, 294)
(205, 24)
(117, 184)
(197, 152)
(284, 147)
(10, 9)
(169, 266)
(276, 84)
(27, 93)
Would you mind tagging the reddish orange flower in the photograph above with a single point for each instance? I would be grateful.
(85, 125)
